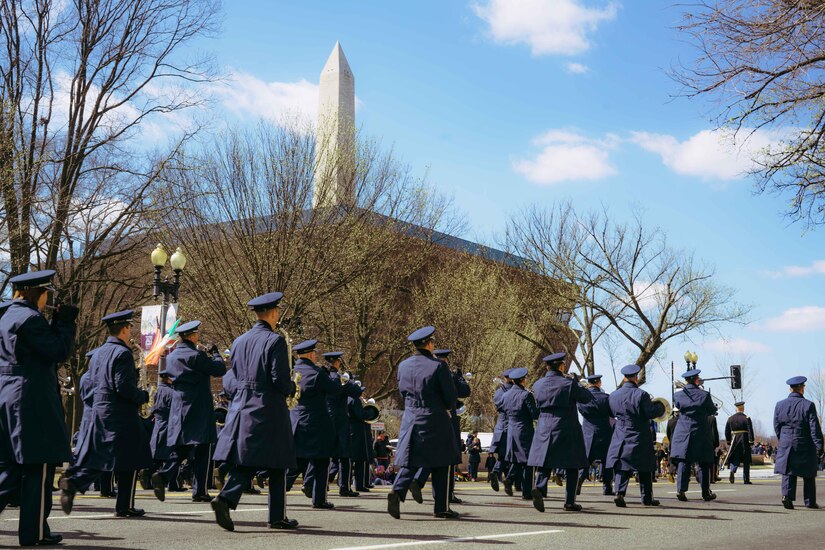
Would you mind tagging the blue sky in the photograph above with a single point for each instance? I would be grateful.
(520, 102)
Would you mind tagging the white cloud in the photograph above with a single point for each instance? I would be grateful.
(560, 27)
(737, 346)
(649, 295)
(577, 68)
(710, 154)
(798, 319)
(247, 95)
(816, 268)
(566, 155)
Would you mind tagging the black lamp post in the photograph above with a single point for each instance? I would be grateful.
(165, 288)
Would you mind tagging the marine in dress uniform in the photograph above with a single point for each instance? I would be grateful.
(498, 445)
(631, 447)
(597, 428)
(191, 430)
(33, 436)
(426, 438)
(257, 434)
(520, 408)
(117, 440)
(691, 438)
(739, 434)
(558, 443)
(312, 425)
(342, 458)
(800, 443)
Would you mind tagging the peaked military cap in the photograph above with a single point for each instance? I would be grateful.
(305, 347)
(188, 328)
(119, 317)
(442, 352)
(333, 354)
(33, 279)
(507, 373)
(554, 358)
(594, 377)
(631, 370)
(265, 301)
(691, 373)
(518, 374)
(738, 403)
(796, 381)
(421, 334)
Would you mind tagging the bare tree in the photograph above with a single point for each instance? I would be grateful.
(762, 62)
(815, 389)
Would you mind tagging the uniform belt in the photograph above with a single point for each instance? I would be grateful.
(13, 370)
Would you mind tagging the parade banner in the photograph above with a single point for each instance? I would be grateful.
(149, 321)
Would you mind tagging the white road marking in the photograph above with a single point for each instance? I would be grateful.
(448, 541)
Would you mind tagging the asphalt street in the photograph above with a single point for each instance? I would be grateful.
(742, 517)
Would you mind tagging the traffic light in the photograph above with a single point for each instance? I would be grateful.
(736, 377)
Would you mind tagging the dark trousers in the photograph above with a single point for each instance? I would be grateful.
(746, 470)
(571, 476)
(82, 478)
(683, 476)
(29, 486)
(315, 472)
(808, 488)
(622, 478)
(361, 473)
(240, 477)
(201, 458)
(344, 473)
(523, 475)
(441, 495)
(472, 468)
(501, 466)
(107, 483)
(607, 477)
(423, 474)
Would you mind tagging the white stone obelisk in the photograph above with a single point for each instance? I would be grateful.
(335, 153)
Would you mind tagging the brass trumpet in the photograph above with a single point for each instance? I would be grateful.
(291, 401)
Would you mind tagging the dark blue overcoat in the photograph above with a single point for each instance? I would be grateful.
(597, 426)
(520, 408)
(499, 442)
(692, 438)
(631, 447)
(360, 443)
(312, 426)
(558, 441)
(117, 438)
(257, 432)
(337, 406)
(32, 423)
(87, 396)
(192, 413)
(800, 436)
(426, 438)
(161, 450)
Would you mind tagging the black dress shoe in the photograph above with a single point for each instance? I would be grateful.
(221, 509)
(653, 502)
(708, 497)
(579, 484)
(252, 491)
(203, 498)
(307, 490)
(748, 483)
(681, 496)
(559, 481)
(324, 506)
(130, 513)
(572, 508)
(619, 501)
(67, 493)
(449, 514)
(415, 491)
(349, 494)
(51, 540)
(508, 487)
(145, 479)
(159, 486)
(494, 482)
(538, 500)
(260, 481)
(394, 505)
(813, 506)
(731, 477)
(787, 503)
(456, 500)
(285, 523)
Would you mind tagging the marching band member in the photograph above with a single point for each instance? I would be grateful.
(498, 445)
(117, 440)
(631, 447)
(257, 433)
(520, 407)
(360, 443)
(558, 442)
(739, 434)
(162, 452)
(691, 438)
(337, 405)
(30, 349)
(597, 429)
(426, 438)
(800, 443)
